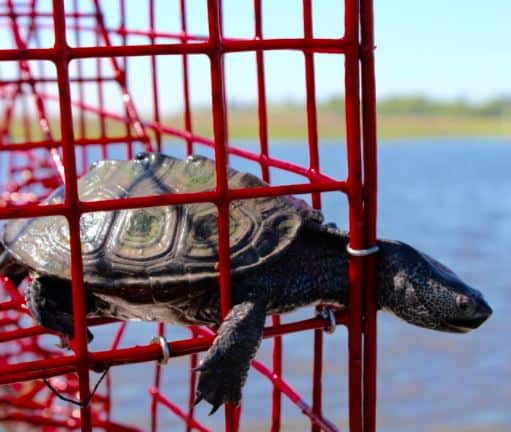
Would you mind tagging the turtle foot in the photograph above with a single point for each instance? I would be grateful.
(50, 305)
(224, 369)
(220, 382)
(65, 340)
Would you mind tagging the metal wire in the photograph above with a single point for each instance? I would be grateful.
(82, 404)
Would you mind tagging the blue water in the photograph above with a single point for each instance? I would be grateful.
(447, 197)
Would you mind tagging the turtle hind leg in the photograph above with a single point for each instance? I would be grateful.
(224, 369)
(50, 303)
(10, 267)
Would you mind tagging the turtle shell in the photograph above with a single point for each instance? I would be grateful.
(164, 244)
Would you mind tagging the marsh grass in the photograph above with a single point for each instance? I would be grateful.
(290, 122)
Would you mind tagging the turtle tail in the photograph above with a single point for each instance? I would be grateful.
(10, 267)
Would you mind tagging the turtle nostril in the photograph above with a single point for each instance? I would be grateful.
(484, 309)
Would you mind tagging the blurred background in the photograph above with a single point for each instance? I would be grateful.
(444, 126)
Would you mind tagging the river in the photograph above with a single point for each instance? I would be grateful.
(447, 197)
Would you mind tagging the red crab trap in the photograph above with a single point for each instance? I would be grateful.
(88, 81)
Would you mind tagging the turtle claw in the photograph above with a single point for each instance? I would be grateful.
(64, 342)
(199, 368)
(198, 398)
(215, 408)
(219, 383)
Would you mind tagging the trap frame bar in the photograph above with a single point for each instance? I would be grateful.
(356, 45)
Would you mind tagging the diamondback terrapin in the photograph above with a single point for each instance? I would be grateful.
(161, 263)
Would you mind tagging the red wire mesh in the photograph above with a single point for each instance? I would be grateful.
(50, 78)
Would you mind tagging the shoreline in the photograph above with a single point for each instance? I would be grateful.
(291, 124)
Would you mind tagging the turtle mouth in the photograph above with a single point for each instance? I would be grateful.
(456, 328)
(464, 325)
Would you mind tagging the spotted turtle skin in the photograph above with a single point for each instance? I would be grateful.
(161, 264)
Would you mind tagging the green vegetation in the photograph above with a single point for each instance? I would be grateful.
(424, 105)
(398, 117)
(403, 116)
(408, 116)
(421, 105)
(422, 116)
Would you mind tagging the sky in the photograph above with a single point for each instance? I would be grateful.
(446, 49)
(441, 48)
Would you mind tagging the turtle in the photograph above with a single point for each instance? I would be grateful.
(161, 263)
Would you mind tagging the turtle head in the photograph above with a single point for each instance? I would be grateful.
(424, 292)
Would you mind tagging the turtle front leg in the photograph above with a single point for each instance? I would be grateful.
(224, 369)
(49, 301)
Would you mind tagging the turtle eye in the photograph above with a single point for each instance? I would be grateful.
(142, 155)
(464, 303)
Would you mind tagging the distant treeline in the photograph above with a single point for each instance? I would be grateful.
(424, 105)
(400, 116)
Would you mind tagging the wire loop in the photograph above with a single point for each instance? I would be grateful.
(164, 348)
(362, 252)
(328, 314)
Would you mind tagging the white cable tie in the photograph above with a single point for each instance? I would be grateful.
(362, 252)
(164, 348)
(329, 315)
